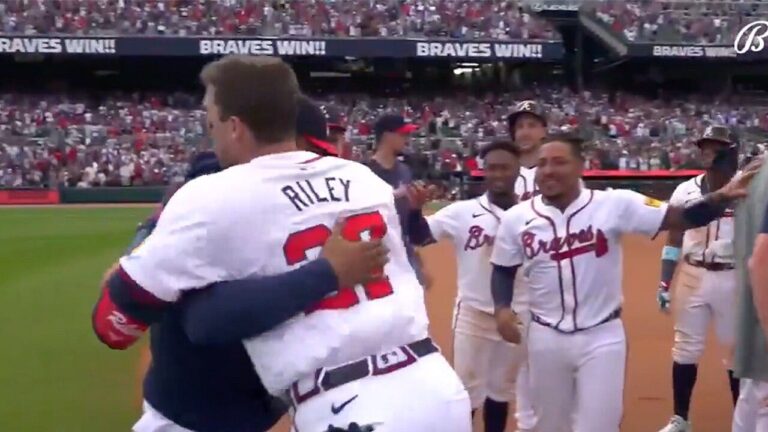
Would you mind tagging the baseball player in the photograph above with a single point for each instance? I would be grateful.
(229, 397)
(568, 240)
(485, 363)
(361, 355)
(528, 127)
(706, 284)
(391, 133)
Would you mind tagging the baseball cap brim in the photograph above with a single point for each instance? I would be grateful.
(700, 141)
(407, 128)
(325, 146)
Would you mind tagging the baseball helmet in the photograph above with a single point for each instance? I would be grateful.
(526, 107)
(727, 156)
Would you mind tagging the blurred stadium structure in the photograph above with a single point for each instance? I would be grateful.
(105, 93)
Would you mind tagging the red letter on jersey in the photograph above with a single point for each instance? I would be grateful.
(298, 243)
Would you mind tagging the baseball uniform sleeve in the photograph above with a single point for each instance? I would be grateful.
(678, 196)
(444, 224)
(182, 253)
(638, 213)
(507, 250)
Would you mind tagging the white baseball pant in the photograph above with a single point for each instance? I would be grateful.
(577, 379)
(424, 396)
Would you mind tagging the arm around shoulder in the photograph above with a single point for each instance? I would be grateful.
(227, 312)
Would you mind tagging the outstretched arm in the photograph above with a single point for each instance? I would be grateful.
(696, 213)
(712, 205)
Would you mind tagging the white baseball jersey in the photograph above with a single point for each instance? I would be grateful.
(712, 243)
(525, 185)
(471, 226)
(574, 257)
(272, 215)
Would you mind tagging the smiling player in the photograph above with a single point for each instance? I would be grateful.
(568, 239)
(486, 363)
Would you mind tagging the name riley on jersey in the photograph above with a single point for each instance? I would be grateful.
(304, 194)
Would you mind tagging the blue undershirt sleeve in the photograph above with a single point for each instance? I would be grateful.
(228, 312)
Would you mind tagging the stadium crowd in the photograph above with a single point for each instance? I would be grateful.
(131, 139)
(679, 21)
(326, 18)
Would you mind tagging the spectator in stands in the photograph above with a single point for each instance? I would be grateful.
(124, 140)
(463, 19)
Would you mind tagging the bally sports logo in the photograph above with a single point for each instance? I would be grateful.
(574, 244)
(751, 37)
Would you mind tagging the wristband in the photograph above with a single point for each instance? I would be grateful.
(670, 253)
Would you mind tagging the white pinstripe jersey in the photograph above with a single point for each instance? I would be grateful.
(572, 259)
(712, 243)
(471, 227)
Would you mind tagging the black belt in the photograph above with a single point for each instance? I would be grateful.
(369, 366)
(616, 314)
(710, 266)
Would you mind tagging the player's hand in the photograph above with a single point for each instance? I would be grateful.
(508, 325)
(355, 262)
(419, 194)
(737, 187)
(663, 297)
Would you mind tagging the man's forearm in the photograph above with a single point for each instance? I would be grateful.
(503, 285)
(669, 258)
(695, 214)
(418, 230)
(227, 312)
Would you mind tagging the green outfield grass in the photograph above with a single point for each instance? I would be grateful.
(54, 375)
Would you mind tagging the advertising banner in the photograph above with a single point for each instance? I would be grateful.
(284, 47)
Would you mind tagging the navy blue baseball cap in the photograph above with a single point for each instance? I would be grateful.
(311, 124)
(393, 123)
(203, 163)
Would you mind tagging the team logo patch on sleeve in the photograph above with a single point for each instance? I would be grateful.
(651, 202)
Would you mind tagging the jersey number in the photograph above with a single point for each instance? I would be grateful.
(298, 243)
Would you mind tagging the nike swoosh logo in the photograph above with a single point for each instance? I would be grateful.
(475, 215)
(337, 409)
(528, 222)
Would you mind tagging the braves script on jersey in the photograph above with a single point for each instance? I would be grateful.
(711, 243)
(471, 226)
(574, 257)
(272, 215)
